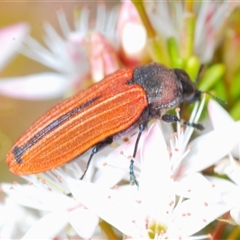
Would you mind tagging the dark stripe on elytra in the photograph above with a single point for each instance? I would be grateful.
(19, 151)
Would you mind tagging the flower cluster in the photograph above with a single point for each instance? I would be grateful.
(189, 184)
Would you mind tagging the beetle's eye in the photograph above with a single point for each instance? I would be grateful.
(189, 91)
(194, 97)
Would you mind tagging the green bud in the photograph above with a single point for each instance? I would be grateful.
(192, 67)
(234, 111)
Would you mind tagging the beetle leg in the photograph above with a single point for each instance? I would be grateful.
(194, 125)
(133, 180)
(168, 118)
(95, 149)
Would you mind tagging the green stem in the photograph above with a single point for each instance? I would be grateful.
(141, 10)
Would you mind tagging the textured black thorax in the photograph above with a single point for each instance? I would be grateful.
(161, 85)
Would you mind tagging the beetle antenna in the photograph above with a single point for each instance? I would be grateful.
(199, 72)
(215, 97)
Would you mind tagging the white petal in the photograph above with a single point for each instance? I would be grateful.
(196, 186)
(84, 222)
(118, 162)
(220, 118)
(10, 41)
(193, 216)
(211, 147)
(15, 219)
(49, 226)
(230, 193)
(111, 206)
(36, 198)
(115, 170)
(235, 214)
(155, 159)
(35, 87)
(229, 167)
(156, 177)
(218, 115)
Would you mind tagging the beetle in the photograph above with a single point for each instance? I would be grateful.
(93, 117)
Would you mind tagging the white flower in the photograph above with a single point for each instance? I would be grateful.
(186, 158)
(169, 19)
(15, 219)
(11, 38)
(153, 211)
(35, 86)
(230, 196)
(228, 165)
(68, 56)
(49, 195)
(166, 172)
(57, 211)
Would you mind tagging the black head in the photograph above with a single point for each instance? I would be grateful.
(189, 91)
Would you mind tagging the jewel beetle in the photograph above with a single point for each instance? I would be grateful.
(93, 117)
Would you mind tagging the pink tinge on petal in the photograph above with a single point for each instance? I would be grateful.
(132, 35)
(76, 51)
(102, 56)
(11, 38)
(35, 87)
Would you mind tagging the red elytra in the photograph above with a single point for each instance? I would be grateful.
(127, 98)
